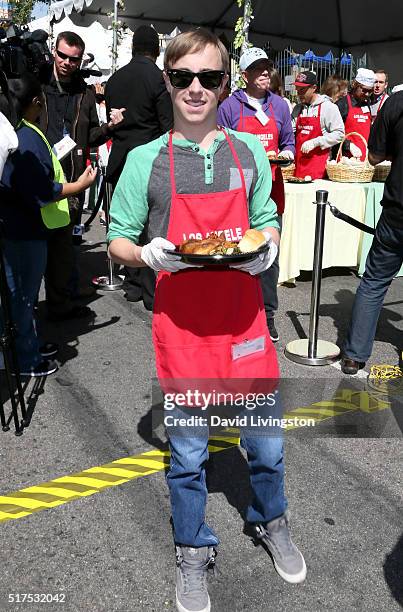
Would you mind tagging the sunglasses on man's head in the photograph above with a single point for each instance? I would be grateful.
(209, 79)
(71, 58)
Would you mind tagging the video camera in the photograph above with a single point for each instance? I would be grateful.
(24, 51)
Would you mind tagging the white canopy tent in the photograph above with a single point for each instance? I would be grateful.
(354, 25)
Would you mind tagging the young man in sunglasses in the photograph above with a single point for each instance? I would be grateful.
(356, 113)
(208, 323)
(69, 110)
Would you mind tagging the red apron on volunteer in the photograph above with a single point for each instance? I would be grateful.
(269, 137)
(226, 342)
(311, 164)
(358, 120)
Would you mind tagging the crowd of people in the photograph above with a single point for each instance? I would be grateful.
(187, 157)
(37, 233)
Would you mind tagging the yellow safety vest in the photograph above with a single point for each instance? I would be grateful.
(55, 214)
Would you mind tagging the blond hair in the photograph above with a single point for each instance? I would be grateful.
(193, 42)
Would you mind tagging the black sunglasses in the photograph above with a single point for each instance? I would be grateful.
(71, 58)
(209, 79)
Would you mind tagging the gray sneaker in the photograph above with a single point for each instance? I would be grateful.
(192, 565)
(288, 560)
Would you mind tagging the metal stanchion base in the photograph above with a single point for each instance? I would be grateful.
(326, 353)
(104, 283)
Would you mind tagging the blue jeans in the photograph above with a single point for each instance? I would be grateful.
(186, 480)
(383, 262)
(25, 263)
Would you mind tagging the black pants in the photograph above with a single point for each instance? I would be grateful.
(62, 273)
(269, 280)
(139, 284)
(59, 270)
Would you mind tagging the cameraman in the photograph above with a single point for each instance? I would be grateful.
(33, 206)
(69, 110)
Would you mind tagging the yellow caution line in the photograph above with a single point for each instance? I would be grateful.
(95, 479)
(88, 482)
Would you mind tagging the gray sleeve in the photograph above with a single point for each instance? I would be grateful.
(332, 126)
(294, 116)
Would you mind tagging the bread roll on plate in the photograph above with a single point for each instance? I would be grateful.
(252, 241)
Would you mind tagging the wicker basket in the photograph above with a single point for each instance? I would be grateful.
(342, 173)
(288, 171)
(381, 173)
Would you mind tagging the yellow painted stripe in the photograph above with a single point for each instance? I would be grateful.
(95, 479)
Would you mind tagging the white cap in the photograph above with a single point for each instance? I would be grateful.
(250, 56)
(397, 88)
(365, 77)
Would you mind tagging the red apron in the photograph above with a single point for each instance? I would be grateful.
(268, 136)
(357, 121)
(312, 164)
(210, 323)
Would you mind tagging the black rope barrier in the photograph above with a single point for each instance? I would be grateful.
(350, 220)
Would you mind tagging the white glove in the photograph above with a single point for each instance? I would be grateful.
(286, 155)
(354, 150)
(262, 262)
(309, 145)
(154, 255)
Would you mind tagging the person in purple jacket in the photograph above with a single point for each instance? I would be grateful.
(258, 111)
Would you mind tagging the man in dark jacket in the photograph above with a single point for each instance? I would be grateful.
(69, 110)
(139, 87)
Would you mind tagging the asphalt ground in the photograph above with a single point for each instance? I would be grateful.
(112, 550)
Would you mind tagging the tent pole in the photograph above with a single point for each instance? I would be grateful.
(115, 36)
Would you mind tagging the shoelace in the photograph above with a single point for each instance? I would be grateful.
(281, 532)
(194, 575)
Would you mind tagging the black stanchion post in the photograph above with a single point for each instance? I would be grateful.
(312, 351)
(111, 282)
(321, 201)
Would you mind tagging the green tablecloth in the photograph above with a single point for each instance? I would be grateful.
(373, 209)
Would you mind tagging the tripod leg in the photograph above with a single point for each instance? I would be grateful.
(14, 404)
(7, 342)
(3, 421)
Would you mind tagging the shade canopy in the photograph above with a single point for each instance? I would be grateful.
(335, 23)
(353, 25)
